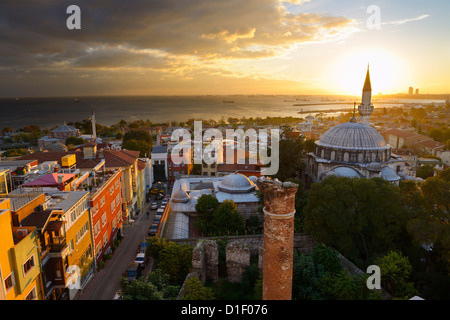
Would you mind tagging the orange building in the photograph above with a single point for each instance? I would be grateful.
(106, 212)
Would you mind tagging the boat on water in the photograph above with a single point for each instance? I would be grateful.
(76, 100)
(228, 101)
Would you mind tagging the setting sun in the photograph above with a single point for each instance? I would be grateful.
(387, 71)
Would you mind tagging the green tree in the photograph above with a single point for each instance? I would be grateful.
(74, 141)
(425, 171)
(205, 207)
(155, 287)
(395, 272)
(194, 290)
(359, 217)
(290, 159)
(227, 219)
(138, 140)
(143, 147)
(176, 260)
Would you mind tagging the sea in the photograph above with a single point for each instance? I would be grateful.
(49, 112)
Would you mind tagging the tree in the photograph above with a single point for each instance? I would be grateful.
(194, 290)
(425, 171)
(155, 287)
(205, 207)
(290, 161)
(395, 271)
(138, 145)
(359, 217)
(176, 260)
(226, 219)
(430, 223)
(74, 141)
(139, 140)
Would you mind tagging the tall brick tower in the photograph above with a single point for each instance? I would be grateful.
(279, 210)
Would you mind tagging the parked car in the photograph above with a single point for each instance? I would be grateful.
(153, 206)
(142, 247)
(157, 219)
(140, 259)
(133, 271)
(164, 202)
(153, 229)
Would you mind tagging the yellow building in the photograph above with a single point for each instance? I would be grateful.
(19, 259)
(73, 213)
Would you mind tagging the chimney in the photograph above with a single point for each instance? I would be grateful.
(60, 183)
(279, 210)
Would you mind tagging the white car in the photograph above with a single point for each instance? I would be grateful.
(153, 206)
(140, 259)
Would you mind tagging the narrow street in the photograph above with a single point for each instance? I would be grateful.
(106, 282)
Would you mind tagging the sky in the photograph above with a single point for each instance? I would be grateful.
(196, 47)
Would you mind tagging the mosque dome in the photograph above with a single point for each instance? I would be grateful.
(353, 135)
(343, 172)
(353, 142)
(236, 183)
(374, 166)
(64, 128)
(180, 196)
(389, 174)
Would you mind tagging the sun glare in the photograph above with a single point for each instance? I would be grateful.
(386, 70)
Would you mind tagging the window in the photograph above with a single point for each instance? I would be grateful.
(113, 205)
(27, 266)
(105, 239)
(118, 199)
(95, 209)
(31, 295)
(82, 232)
(9, 282)
(104, 219)
(111, 190)
(102, 201)
(96, 229)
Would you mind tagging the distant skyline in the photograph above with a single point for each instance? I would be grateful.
(199, 47)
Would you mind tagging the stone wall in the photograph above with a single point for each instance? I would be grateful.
(240, 249)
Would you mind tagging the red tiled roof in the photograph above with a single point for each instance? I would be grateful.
(430, 144)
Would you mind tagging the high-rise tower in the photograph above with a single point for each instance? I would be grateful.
(366, 107)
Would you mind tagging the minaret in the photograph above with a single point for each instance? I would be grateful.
(366, 107)
(94, 132)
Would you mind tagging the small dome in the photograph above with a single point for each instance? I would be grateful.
(343, 172)
(236, 183)
(402, 175)
(65, 128)
(57, 147)
(374, 166)
(389, 174)
(180, 196)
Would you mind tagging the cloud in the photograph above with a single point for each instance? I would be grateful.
(400, 22)
(169, 37)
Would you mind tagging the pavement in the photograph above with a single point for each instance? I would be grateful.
(105, 283)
